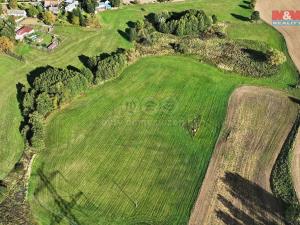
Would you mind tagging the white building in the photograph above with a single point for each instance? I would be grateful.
(72, 6)
(17, 13)
(54, 10)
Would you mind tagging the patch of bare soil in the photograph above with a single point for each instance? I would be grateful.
(290, 33)
(236, 189)
(14, 209)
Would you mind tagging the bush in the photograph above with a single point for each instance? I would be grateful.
(28, 103)
(37, 131)
(255, 16)
(8, 27)
(292, 215)
(110, 66)
(32, 11)
(276, 57)
(214, 19)
(62, 83)
(87, 73)
(6, 45)
(190, 22)
(92, 21)
(13, 4)
(89, 6)
(115, 3)
(49, 18)
(44, 104)
(132, 34)
(244, 57)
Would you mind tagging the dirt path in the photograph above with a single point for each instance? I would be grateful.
(236, 188)
(291, 34)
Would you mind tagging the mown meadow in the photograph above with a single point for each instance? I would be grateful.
(121, 151)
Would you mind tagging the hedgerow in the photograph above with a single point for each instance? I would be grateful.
(54, 87)
(192, 32)
(281, 179)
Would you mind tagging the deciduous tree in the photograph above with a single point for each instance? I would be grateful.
(115, 3)
(32, 11)
(49, 18)
(276, 57)
(6, 45)
(13, 4)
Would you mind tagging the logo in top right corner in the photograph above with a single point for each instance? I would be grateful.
(286, 17)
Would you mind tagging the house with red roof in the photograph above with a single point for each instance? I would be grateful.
(23, 32)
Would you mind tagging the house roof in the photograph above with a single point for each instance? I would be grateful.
(72, 6)
(16, 11)
(53, 9)
(51, 2)
(53, 45)
(24, 30)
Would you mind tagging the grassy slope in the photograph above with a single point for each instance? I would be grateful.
(144, 156)
(77, 42)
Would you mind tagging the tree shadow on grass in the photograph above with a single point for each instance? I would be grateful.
(255, 205)
(73, 68)
(244, 6)
(240, 17)
(124, 34)
(131, 24)
(84, 60)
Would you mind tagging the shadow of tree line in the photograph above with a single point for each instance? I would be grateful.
(257, 206)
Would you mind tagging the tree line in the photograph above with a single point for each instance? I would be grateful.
(55, 86)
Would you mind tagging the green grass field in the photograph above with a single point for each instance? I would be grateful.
(134, 165)
(125, 147)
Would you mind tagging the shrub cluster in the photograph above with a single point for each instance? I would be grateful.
(107, 66)
(189, 22)
(142, 32)
(281, 179)
(55, 86)
(244, 57)
(47, 92)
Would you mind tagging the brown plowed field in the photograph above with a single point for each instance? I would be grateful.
(236, 189)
